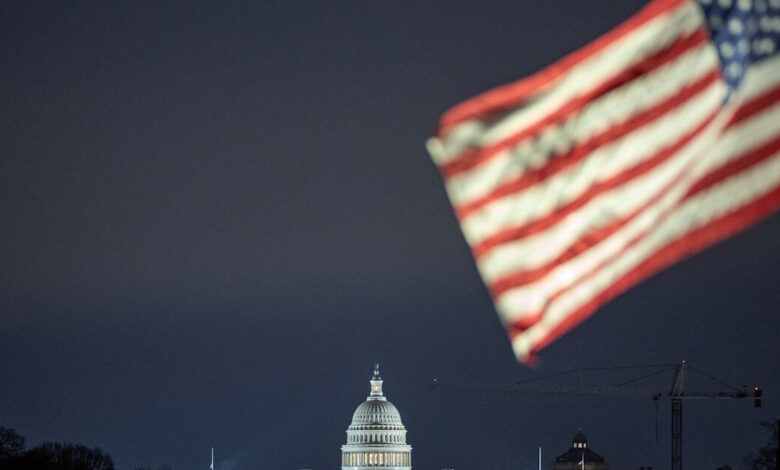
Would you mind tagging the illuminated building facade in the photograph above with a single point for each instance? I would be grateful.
(376, 438)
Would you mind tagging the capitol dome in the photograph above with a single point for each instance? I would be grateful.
(376, 438)
(376, 413)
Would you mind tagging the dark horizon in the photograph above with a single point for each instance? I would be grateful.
(216, 218)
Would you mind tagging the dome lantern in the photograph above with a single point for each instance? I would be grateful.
(579, 441)
(376, 385)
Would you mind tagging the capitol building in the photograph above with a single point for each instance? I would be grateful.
(376, 438)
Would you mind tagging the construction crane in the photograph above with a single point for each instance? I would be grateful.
(675, 395)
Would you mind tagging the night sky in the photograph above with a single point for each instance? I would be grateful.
(214, 218)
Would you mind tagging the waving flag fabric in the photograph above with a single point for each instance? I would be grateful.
(651, 143)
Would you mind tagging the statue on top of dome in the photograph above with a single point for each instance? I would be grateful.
(376, 372)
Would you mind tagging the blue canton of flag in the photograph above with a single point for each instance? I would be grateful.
(744, 32)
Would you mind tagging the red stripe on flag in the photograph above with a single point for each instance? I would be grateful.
(755, 105)
(743, 162)
(596, 236)
(505, 97)
(515, 280)
(746, 161)
(693, 242)
(476, 156)
(580, 152)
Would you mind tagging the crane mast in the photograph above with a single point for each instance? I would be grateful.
(676, 405)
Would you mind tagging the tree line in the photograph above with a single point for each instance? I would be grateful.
(49, 455)
(53, 455)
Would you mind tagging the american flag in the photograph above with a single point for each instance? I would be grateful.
(653, 142)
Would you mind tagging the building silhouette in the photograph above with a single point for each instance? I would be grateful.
(579, 452)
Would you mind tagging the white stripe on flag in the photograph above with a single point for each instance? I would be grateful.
(544, 248)
(614, 107)
(728, 196)
(653, 36)
(531, 298)
(545, 197)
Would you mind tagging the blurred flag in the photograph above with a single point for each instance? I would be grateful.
(649, 144)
